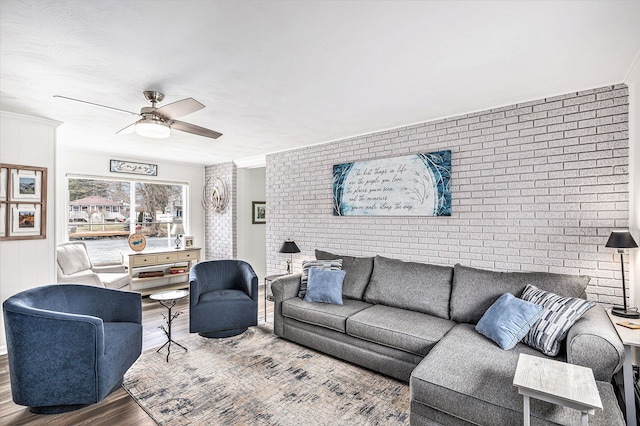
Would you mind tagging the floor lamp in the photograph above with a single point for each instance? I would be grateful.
(622, 240)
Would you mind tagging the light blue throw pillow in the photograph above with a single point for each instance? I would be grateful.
(508, 320)
(325, 286)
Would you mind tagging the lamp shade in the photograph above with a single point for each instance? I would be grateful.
(177, 229)
(621, 239)
(289, 246)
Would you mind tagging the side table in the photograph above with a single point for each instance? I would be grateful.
(557, 382)
(630, 338)
(268, 294)
(168, 299)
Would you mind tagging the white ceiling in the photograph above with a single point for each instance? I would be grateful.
(276, 75)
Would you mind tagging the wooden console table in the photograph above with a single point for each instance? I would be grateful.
(160, 262)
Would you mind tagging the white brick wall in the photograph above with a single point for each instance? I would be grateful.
(536, 186)
(220, 228)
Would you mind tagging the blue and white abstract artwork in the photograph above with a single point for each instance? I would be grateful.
(412, 185)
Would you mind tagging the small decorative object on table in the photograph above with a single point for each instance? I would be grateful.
(187, 241)
(137, 242)
(168, 299)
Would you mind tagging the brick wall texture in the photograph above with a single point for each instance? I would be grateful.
(536, 186)
(220, 228)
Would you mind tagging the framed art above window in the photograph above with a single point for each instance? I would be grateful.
(23, 202)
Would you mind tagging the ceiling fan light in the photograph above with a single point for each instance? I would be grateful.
(152, 128)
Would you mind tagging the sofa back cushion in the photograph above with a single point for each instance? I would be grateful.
(358, 272)
(418, 287)
(475, 290)
(73, 258)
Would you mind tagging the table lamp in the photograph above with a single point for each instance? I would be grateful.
(622, 240)
(290, 247)
(178, 230)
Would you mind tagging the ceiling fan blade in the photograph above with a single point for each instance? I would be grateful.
(97, 105)
(131, 128)
(196, 130)
(179, 108)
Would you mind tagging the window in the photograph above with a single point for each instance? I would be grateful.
(104, 213)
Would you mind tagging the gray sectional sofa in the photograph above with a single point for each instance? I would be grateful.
(416, 322)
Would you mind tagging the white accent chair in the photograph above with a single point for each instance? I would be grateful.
(75, 267)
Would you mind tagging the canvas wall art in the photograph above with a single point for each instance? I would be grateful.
(411, 185)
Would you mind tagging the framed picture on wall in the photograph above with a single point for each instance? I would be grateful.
(26, 219)
(259, 212)
(26, 185)
(3, 183)
(23, 202)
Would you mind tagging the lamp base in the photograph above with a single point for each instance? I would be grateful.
(619, 311)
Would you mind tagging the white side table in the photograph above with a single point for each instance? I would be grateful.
(630, 338)
(557, 382)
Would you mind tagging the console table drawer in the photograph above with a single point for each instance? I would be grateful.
(188, 255)
(144, 260)
(167, 257)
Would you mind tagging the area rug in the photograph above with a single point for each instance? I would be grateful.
(259, 379)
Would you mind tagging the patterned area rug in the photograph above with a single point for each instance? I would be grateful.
(259, 379)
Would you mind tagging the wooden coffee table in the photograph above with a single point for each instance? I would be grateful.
(557, 382)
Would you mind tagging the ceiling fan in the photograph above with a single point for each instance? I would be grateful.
(157, 122)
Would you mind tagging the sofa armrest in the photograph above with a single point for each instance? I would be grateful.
(283, 288)
(109, 269)
(87, 278)
(593, 342)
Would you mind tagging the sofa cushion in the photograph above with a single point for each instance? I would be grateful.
(410, 331)
(332, 265)
(116, 281)
(358, 270)
(474, 290)
(469, 377)
(418, 287)
(72, 258)
(560, 313)
(508, 320)
(324, 286)
(323, 314)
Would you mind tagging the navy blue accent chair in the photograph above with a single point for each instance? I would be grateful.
(69, 345)
(223, 298)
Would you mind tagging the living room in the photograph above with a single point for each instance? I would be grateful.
(538, 105)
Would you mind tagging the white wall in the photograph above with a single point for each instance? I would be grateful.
(251, 237)
(633, 81)
(25, 264)
(536, 186)
(74, 162)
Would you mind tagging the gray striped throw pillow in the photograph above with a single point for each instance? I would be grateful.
(559, 315)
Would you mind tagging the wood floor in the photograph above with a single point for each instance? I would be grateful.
(118, 408)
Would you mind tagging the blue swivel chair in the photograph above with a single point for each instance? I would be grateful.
(223, 298)
(70, 345)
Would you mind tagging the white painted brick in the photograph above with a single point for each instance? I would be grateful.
(535, 187)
